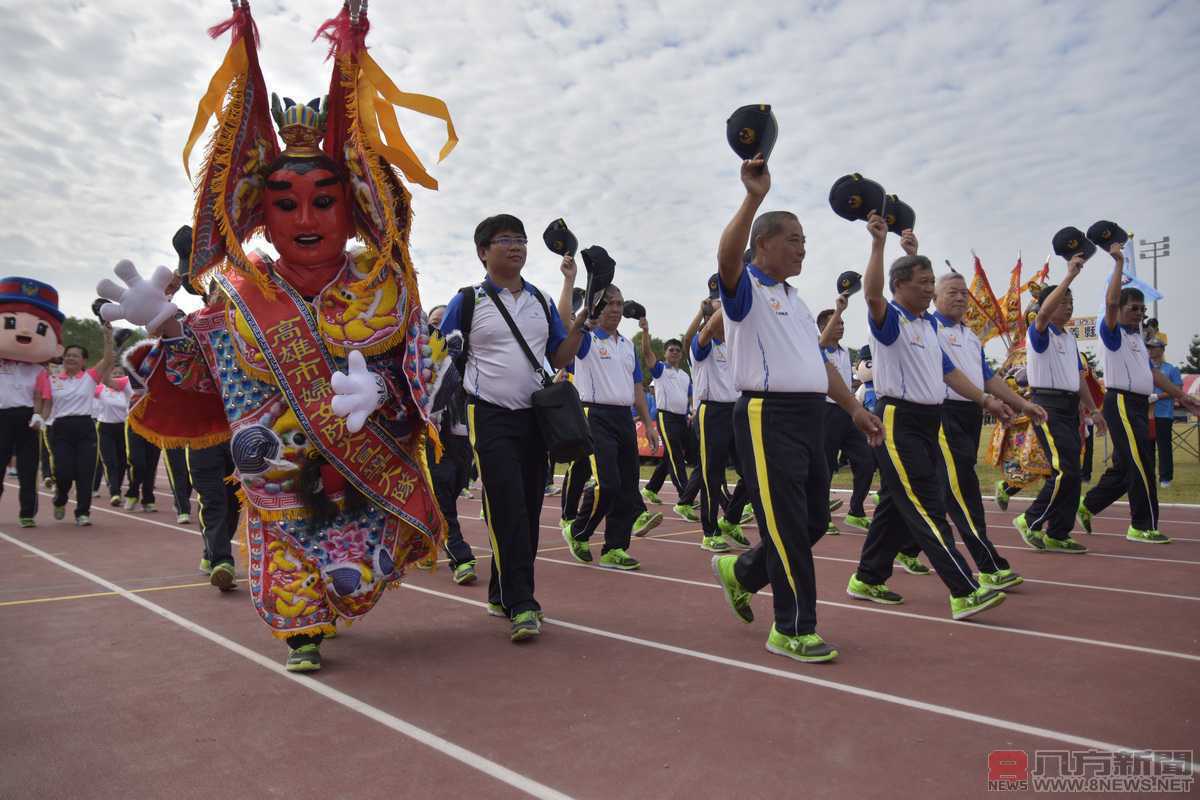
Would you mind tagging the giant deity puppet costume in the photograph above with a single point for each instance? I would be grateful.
(316, 367)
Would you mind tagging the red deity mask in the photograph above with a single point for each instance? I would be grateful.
(308, 220)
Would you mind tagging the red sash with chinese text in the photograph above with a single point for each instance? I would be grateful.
(371, 460)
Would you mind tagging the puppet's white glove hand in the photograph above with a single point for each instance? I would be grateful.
(144, 302)
(36, 422)
(358, 394)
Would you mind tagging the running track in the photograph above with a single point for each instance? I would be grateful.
(126, 674)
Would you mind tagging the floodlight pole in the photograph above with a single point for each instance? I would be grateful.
(1158, 249)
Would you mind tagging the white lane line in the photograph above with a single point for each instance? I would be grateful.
(859, 691)
(126, 515)
(419, 735)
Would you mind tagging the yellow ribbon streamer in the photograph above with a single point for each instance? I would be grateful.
(234, 64)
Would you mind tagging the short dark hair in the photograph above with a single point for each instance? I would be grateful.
(672, 342)
(823, 317)
(902, 269)
(486, 230)
(1046, 292)
(83, 350)
(768, 225)
(1130, 293)
(611, 290)
(435, 308)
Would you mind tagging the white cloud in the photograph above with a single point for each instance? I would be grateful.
(999, 123)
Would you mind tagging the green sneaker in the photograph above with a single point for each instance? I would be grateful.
(862, 522)
(747, 514)
(1149, 537)
(875, 498)
(1002, 497)
(579, 550)
(646, 522)
(834, 505)
(1067, 545)
(1032, 538)
(206, 566)
(306, 658)
(1000, 579)
(714, 544)
(83, 520)
(619, 559)
(979, 600)
(875, 592)
(688, 512)
(115, 500)
(496, 610)
(27, 522)
(911, 564)
(149, 508)
(222, 577)
(525, 625)
(651, 497)
(464, 573)
(809, 648)
(738, 598)
(60, 512)
(1085, 517)
(831, 530)
(733, 533)
(130, 503)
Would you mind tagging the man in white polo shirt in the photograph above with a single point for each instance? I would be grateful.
(779, 420)
(1056, 377)
(911, 374)
(504, 433)
(1129, 380)
(673, 399)
(608, 374)
(962, 424)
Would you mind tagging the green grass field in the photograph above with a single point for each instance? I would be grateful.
(1185, 488)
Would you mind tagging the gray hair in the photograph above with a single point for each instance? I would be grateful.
(768, 225)
(902, 269)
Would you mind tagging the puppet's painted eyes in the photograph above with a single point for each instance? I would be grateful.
(10, 323)
(42, 328)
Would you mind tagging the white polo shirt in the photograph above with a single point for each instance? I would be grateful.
(772, 336)
(1126, 363)
(1052, 359)
(712, 372)
(497, 370)
(672, 389)
(966, 352)
(907, 358)
(112, 405)
(609, 367)
(74, 395)
(19, 381)
(840, 358)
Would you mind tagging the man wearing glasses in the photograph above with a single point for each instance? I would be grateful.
(504, 433)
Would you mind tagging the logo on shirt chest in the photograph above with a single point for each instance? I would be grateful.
(915, 335)
(603, 351)
(777, 306)
(1060, 346)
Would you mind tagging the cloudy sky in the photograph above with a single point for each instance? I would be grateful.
(999, 123)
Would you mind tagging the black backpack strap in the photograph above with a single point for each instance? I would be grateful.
(465, 315)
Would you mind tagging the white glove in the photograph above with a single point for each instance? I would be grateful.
(36, 422)
(358, 394)
(145, 301)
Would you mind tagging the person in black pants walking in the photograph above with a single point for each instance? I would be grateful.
(181, 484)
(208, 470)
(142, 456)
(112, 409)
(504, 433)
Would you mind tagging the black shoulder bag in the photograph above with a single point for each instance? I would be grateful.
(557, 406)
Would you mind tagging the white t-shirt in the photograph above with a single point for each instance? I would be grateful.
(112, 405)
(1126, 362)
(672, 389)
(840, 358)
(1052, 359)
(964, 349)
(772, 337)
(609, 368)
(19, 381)
(712, 372)
(74, 395)
(908, 362)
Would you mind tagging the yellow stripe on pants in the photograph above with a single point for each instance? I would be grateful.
(1135, 455)
(703, 449)
(956, 490)
(754, 412)
(662, 434)
(1056, 463)
(487, 514)
(595, 474)
(889, 430)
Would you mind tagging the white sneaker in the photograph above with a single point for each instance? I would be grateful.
(184, 519)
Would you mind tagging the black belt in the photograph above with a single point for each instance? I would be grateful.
(794, 396)
(607, 406)
(1128, 393)
(962, 404)
(1055, 392)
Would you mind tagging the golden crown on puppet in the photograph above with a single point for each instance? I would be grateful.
(300, 126)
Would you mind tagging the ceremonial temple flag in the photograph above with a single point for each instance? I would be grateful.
(984, 316)
(1011, 305)
(1039, 280)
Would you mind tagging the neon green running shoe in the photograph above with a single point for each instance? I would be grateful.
(862, 522)
(464, 573)
(206, 566)
(619, 559)
(738, 598)
(809, 648)
(646, 522)
(651, 497)
(1067, 545)
(911, 564)
(1085, 517)
(496, 610)
(27, 522)
(525, 625)
(1032, 538)
(1002, 497)
(579, 550)
(747, 514)
(1000, 579)
(1148, 537)
(875, 592)
(222, 577)
(835, 504)
(685, 511)
(875, 498)
(306, 658)
(733, 533)
(831, 529)
(977, 601)
(714, 544)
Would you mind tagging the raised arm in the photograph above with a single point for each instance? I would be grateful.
(839, 306)
(714, 328)
(648, 357)
(107, 358)
(694, 326)
(873, 280)
(569, 270)
(757, 180)
(1059, 294)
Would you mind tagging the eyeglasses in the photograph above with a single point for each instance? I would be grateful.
(510, 241)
